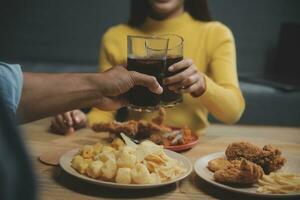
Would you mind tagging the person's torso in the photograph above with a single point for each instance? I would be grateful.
(190, 112)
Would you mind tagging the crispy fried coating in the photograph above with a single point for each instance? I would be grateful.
(129, 128)
(239, 172)
(217, 164)
(133, 127)
(268, 157)
(150, 127)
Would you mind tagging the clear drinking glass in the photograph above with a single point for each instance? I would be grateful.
(146, 55)
(174, 55)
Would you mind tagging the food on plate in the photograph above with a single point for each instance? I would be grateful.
(123, 176)
(145, 163)
(109, 169)
(153, 130)
(268, 157)
(94, 169)
(130, 128)
(217, 164)
(239, 172)
(279, 183)
(140, 174)
(80, 164)
(174, 137)
(117, 143)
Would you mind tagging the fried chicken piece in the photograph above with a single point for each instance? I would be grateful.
(272, 159)
(239, 172)
(150, 127)
(217, 164)
(129, 128)
(132, 127)
(269, 158)
(160, 118)
(156, 138)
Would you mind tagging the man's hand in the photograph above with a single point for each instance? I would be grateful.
(58, 93)
(117, 81)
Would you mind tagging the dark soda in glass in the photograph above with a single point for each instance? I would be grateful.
(139, 95)
(169, 97)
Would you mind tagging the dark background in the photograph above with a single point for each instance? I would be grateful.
(64, 35)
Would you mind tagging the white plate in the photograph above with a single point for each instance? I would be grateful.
(292, 165)
(65, 163)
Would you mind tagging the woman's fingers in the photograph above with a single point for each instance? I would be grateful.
(79, 118)
(185, 83)
(181, 65)
(61, 122)
(180, 76)
(54, 124)
(68, 119)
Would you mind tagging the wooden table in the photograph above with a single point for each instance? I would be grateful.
(55, 184)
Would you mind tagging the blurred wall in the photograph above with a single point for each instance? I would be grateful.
(255, 24)
(69, 31)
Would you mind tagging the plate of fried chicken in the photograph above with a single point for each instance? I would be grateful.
(242, 166)
(172, 138)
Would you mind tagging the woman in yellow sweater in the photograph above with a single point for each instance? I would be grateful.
(209, 75)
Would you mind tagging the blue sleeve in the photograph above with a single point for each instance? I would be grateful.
(11, 83)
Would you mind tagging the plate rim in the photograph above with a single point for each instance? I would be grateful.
(232, 189)
(120, 185)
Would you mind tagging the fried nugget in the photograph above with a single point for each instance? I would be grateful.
(217, 164)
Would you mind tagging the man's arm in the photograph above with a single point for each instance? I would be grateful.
(48, 94)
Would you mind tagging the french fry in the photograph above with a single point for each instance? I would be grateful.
(279, 183)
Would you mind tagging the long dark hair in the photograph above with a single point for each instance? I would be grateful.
(139, 10)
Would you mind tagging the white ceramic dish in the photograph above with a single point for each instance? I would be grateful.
(200, 167)
(65, 163)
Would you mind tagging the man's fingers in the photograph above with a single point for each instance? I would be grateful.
(147, 81)
(112, 103)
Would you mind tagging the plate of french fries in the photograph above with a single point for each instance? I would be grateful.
(281, 183)
(126, 164)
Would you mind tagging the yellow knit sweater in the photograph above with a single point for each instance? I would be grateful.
(210, 45)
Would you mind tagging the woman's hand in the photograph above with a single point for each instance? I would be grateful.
(187, 80)
(68, 122)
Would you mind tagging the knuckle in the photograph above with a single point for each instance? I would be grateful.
(194, 69)
(153, 79)
(190, 79)
(190, 61)
(181, 76)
